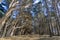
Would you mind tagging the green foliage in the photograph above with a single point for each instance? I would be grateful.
(53, 14)
(9, 1)
(1, 14)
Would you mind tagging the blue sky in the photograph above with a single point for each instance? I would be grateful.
(43, 4)
(36, 1)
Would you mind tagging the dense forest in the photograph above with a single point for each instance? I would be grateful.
(29, 17)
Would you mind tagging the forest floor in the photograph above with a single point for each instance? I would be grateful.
(31, 37)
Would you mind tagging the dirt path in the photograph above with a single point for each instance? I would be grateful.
(31, 37)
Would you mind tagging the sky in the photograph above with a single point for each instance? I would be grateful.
(36, 2)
